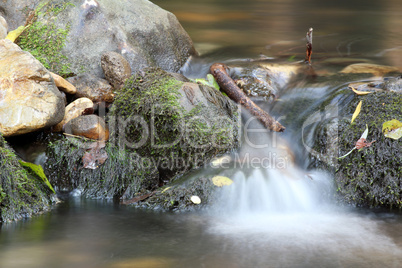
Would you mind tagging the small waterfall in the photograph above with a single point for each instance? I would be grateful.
(275, 191)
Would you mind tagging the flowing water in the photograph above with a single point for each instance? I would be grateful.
(271, 216)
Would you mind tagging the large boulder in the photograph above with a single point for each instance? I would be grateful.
(174, 123)
(21, 193)
(371, 176)
(70, 37)
(29, 98)
(3, 27)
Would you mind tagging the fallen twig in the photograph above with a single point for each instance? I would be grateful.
(226, 83)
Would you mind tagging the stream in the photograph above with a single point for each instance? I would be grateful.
(269, 217)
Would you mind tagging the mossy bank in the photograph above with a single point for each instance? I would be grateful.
(22, 194)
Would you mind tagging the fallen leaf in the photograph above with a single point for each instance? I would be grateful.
(37, 170)
(195, 199)
(14, 34)
(357, 111)
(360, 93)
(95, 156)
(221, 181)
(361, 143)
(392, 129)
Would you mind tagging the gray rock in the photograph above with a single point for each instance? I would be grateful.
(143, 33)
(92, 87)
(29, 98)
(116, 68)
(3, 27)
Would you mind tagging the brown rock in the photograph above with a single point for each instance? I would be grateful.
(29, 99)
(89, 126)
(116, 68)
(73, 110)
(91, 87)
(375, 69)
(63, 84)
(3, 27)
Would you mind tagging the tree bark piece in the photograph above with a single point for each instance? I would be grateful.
(226, 83)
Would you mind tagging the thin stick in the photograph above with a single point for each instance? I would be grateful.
(309, 45)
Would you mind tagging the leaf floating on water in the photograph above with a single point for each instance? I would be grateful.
(392, 129)
(37, 170)
(14, 34)
(221, 181)
(195, 199)
(357, 111)
(95, 157)
(360, 93)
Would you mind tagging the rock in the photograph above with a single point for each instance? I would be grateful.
(369, 177)
(389, 84)
(264, 80)
(116, 68)
(93, 88)
(79, 32)
(73, 110)
(375, 69)
(89, 126)
(16, 12)
(21, 193)
(3, 28)
(177, 125)
(63, 84)
(29, 99)
(123, 173)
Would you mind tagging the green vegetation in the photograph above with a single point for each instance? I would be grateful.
(371, 176)
(121, 174)
(172, 130)
(21, 195)
(44, 39)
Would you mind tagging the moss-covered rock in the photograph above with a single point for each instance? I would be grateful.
(124, 173)
(177, 196)
(175, 124)
(21, 193)
(371, 176)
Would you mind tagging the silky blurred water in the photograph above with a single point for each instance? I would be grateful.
(269, 217)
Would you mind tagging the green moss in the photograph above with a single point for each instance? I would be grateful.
(123, 173)
(370, 176)
(21, 195)
(168, 132)
(44, 40)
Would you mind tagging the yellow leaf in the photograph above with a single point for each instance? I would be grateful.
(195, 199)
(392, 129)
(357, 111)
(360, 92)
(14, 34)
(221, 181)
(167, 188)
